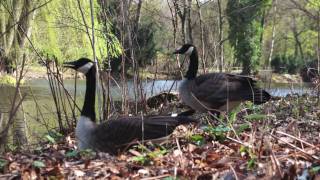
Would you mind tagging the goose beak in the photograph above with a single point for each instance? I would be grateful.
(69, 64)
(177, 51)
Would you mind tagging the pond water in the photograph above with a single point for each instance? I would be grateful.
(41, 88)
(42, 95)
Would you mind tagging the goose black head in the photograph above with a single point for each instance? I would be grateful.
(185, 49)
(82, 65)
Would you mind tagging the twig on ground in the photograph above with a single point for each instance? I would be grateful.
(296, 138)
(238, 141)
(297, 148)
(234, 172)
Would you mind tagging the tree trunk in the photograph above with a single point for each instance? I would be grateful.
(2, 28)
(318, 44)
(189, 26)
(203, 60)
(298, 45)
(137, 19)
(10, 28)
(20, 127)
(124, 88)
(220, 45)
(273, 32)
(182, 16)
(23, 32)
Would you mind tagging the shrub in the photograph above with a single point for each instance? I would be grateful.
(286, 64)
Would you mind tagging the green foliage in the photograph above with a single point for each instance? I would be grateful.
(87, 154)
(255, 117)
(217, 132)
(252, 157)
(313, 4)
(286, 64)
(72, 154)
(3, 164)
(315, 170)
(38, 164)
(59, 31)
(198, 139)
(146, 158)
(146, 48)
(53, 136)
(246, 28)
(8, 80)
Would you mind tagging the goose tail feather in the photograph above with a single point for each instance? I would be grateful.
(261, 96)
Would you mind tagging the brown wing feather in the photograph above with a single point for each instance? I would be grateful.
(114, 135)
(215, 89)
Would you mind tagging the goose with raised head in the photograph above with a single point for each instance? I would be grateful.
(215, 92)
(115, 135)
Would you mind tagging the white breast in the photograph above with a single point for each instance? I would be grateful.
(84, 130)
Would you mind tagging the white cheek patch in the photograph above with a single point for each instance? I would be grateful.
(85, 68)
(189, 51)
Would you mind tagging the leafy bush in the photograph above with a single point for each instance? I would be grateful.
(286, 64)
(309, 71)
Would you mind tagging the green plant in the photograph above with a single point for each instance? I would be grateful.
(217, 132)
(286, 64)
(87, 154)
(3, 164)
(252, 157)
(9, 80)
(38, 164)
(198, 139)
(245, 31)
(71, 154)
(255, 117)
(146, 158)
(53, 137)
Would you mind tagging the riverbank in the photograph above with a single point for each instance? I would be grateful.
(40, 72)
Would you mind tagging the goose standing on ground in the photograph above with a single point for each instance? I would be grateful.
(115, 135)
(215, 92)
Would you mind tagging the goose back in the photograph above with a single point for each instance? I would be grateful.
(215, 90)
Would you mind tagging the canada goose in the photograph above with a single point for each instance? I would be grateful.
(115, 135)
(215, 92)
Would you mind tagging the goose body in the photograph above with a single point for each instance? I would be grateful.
(216, 91)
(115, 135)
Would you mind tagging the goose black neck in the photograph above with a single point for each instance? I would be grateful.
(88, 109)
(193, 65)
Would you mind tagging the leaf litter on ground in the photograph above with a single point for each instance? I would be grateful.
(279, 140)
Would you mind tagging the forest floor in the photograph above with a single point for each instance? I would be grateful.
(277, 140)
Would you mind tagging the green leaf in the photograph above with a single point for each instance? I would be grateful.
(87, 153)
(38, 164)
(218, 132)
(170, 178)
(141, 159)
(243, 127)
(50, 139)
(198, 139)
(3, 163)
(251, 163)
(315, 170)
(157, 153)
(255, 117)
(73, 153)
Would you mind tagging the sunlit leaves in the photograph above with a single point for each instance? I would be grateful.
(59, 31)
(38, 164)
